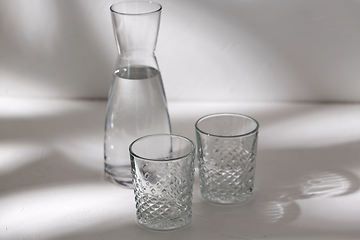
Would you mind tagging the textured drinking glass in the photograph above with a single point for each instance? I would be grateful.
(163, 175)
(226, 145)
(137, 104)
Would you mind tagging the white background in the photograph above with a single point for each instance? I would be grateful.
(248, 50)
(240, 56)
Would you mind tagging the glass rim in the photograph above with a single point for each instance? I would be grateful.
(192, 152)
(256, 129)
(158, 9)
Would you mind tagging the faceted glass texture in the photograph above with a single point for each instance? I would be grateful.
(227, 158)
(163, 176)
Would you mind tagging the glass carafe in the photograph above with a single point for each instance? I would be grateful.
(136, 104)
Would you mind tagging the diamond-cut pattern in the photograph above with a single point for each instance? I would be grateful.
(163, 192)
(227, 168)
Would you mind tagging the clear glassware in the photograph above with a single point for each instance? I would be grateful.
(137, 104)
(163, 175)
(227, 146)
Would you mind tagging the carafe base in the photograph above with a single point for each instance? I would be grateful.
(119, 175)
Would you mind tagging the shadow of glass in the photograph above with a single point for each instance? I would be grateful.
(305, 173)
(331, 184)
(284, 176)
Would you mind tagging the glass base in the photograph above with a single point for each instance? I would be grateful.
(119, 175)
(229, 199)
(164, 224)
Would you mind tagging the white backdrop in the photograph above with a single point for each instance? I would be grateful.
(247, 50)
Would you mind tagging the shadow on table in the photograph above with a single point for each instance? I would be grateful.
(283, 181)
(52, 170)
(284, 178)
(56, 144)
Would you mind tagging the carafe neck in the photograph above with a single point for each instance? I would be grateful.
(136, 26)
(137, 57)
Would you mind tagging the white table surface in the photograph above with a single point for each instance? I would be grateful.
(307, 182)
